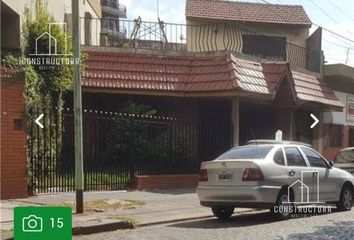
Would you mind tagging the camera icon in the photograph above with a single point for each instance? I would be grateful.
(32, 223)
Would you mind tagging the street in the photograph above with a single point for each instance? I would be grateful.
(257, 225)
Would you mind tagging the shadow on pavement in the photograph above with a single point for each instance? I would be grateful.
(172, 191)
(339, 230)
(239, 220)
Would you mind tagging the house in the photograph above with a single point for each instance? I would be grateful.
(242, 72)
(339, 126)
(271, 31)
(228, 79)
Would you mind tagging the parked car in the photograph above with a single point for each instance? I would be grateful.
(264, 174)
(345, 160)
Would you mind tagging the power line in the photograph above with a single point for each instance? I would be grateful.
(323, 11)
(317, 25)
(336, 44)
(339, 9)
(334, 33)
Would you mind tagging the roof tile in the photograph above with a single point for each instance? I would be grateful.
(201, 73)
(247, 12)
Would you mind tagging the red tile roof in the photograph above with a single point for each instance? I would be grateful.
(159, 73)
(202, 73)
(312, 89)
(247, 12)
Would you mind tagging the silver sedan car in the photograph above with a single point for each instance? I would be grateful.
(269, 174)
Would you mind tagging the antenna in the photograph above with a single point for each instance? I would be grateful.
(157, 8)
(346, 60)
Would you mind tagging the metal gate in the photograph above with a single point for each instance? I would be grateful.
(116, 148)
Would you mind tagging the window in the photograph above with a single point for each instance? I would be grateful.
(279, 157)
(248, 152)
(264, 46)
(314, 159)
(335, 136)
(294, 157)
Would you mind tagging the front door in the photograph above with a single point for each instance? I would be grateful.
(351, 137)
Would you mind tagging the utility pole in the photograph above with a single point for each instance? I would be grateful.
(79, 168)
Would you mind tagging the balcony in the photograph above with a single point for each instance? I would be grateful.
(163, 36)
(112, 28)
(113, 8)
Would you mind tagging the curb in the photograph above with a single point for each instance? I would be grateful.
(113, 226)
(106, 227)
(84, 230)
(173, 221)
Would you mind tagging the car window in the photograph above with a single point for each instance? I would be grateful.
(279, 157)
(346, 156)
(294, 157)
(249, 152)
(315, 159)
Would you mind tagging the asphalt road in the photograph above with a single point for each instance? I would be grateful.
(255, 226)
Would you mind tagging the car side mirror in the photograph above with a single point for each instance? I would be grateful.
(331, 164)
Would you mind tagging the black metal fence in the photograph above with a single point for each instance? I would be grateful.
(234, 37)
(116, 148)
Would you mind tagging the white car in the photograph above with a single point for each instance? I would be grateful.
(345, 160)
(266, 173)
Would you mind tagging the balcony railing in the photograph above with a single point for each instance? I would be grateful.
(112, 28)
(204, 38)
(113, 8)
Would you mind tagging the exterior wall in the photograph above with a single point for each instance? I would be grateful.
(10, 31)
(144, 182)
(341, 119)
(216, 32)
(13, 141)
(60, 10)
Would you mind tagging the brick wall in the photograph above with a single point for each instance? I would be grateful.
(166, 181)
(13, 138)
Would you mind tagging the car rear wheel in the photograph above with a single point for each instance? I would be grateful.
(283, 205)
(345, 199)
(223, 213)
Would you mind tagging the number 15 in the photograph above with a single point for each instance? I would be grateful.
(59, 223)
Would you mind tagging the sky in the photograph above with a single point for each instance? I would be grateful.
(336, 15)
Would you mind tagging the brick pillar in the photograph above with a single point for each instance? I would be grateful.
(13, 137)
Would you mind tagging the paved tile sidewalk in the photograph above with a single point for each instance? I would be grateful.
(160, 206)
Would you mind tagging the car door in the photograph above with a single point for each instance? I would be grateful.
(324, 186)
(299, 179)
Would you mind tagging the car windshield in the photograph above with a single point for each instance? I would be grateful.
(248, 152)
(346, 156)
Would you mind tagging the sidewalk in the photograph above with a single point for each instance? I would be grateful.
(159, 206)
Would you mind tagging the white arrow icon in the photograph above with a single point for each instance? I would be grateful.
(315, 122)
(38, 119)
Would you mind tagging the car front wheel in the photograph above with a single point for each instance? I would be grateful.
(345, 199)
(223, 213)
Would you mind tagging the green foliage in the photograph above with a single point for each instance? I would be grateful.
(45, 82)
(31, 80)
(134, 108)
(54, 79)
(142, 142)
